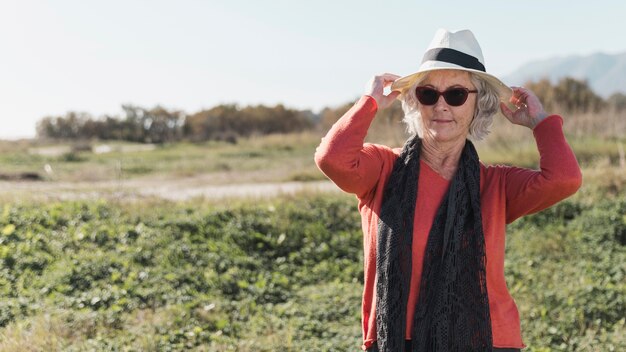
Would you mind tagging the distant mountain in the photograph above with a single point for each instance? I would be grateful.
(605, 73)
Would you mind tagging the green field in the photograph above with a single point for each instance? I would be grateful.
(279, 273)
(265, 158)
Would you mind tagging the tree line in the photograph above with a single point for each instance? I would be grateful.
(160, 125)
(229, 122)
(570, 95)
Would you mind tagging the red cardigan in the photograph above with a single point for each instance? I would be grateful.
(506, 194)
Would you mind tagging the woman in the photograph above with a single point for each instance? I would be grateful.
(433, 216)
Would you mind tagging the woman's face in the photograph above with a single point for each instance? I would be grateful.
(442, 122)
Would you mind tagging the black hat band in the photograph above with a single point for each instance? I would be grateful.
(454, 57)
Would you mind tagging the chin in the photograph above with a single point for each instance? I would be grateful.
(444, 136)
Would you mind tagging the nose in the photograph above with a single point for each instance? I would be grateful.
(441, 104)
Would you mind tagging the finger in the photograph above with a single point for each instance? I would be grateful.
(519, 99)
(517, 91)
(390, 75)
(508, 113)
(393, 95)
(387, 83)
(388, 78)
(522, 102)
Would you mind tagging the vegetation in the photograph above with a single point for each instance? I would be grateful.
(271, 274)
(272, 158)
(230, 122)
(181, 276)
(279, 275)
(159, 125)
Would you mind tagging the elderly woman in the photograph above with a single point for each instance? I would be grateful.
(433, 216)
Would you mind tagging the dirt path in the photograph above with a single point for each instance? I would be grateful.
(254, 190)
(176, 189)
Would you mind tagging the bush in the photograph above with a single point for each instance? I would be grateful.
(280, 275)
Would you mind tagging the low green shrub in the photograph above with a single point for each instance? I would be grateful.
(277, 275)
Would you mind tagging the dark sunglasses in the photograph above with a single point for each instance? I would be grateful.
(453, 96)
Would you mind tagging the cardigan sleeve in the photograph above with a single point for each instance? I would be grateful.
(529, 191)
(343, 157)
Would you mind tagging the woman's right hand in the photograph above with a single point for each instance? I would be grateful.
(375, 88)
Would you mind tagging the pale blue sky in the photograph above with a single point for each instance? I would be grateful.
(93, 56)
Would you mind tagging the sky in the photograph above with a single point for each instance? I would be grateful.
(93, 56)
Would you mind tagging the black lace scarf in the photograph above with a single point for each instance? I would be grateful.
(452, 312)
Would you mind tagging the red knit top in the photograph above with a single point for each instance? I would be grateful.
(506, 194)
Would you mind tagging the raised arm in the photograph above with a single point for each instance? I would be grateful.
(529, 191)
(342, 155)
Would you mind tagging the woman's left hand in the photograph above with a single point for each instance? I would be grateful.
(529, 110)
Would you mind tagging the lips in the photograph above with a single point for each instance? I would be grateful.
(442, 121)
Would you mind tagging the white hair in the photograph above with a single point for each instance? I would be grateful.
(487, 105)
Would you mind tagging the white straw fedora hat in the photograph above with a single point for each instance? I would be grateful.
(454, 51)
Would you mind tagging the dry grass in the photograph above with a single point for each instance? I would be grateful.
(608, 125)
(602, 180)
(47, 332)
(63, 330)
(579, 125)
(597, 139)
(593, 136)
